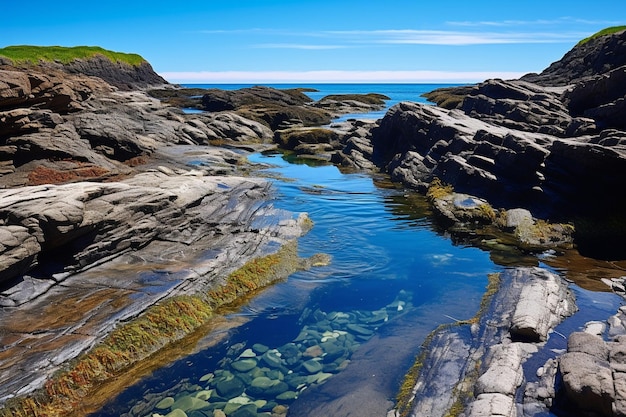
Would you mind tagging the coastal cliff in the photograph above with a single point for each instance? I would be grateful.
(96, 196)
(537, 143)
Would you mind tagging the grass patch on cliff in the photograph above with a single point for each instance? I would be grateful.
(603, 32)
(28, 54)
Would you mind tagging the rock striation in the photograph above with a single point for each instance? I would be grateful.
(122, 246)
(549, 143)
(109, 206)
(478, 367)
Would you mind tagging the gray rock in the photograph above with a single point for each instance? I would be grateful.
(588, 382)
(589, 344)
(487, 405)
(160, 233)
(504, 372)
(518, 217)
(543, 303)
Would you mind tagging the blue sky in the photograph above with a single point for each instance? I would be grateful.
(319, 41)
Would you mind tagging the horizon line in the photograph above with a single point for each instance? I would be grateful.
(331, 76)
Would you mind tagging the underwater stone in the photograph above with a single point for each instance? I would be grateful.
(377, 317)
(280, 410)
(230, 408)
(359, 330)
(259, 348)
(176, 413)
(271, 359)
(269, 406)
(287, 396)
(332, 351)
(275, 374)
(230, 388)
(278, 388)
(294, 380)
(313, 351)
(312, 366)
(291, 353)
(260, 403)
(203, 395)
(319, 315)
(219, 413)
(207, 377)
(166, 402)
(188, 403)
(241, 400)
(262, 382)
(248, 353)
(244, 365)
(248, 410)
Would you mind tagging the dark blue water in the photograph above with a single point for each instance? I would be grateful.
(395, 92)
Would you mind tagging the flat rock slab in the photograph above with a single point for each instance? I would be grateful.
(125, 246)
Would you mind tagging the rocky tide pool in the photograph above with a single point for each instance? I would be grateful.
(336, 339)
(360, 320)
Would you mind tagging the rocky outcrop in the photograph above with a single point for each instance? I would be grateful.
(57, 128)
(352, 103)
(551, 149)
(77, 258)
(600, 98)
(113, 72)
(119, 74)
(108, 251)
(595, 56)
(479, 368)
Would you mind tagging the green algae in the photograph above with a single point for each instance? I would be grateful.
(463, 389)
(154, 330)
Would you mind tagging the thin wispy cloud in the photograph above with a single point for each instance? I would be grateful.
(538, 22)
(303, 46)
(332, 76)
(338, 39)
(442, 37)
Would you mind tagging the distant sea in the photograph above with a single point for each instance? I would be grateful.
(395, 92)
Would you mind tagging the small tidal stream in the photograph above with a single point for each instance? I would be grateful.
(335, 340)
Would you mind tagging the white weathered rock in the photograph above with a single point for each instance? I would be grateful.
(491, 405)
(504, 372)
(588, 382)
(542, 304)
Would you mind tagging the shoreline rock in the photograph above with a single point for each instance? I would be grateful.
(478, 366)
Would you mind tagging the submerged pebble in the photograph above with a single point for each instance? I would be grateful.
(259, 381)
(165, 403)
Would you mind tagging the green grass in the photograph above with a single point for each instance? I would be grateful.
(27, 54)
(603, 32)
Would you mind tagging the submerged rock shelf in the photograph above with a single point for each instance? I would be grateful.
(257, 380)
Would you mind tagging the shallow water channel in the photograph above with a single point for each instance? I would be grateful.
(335, 340)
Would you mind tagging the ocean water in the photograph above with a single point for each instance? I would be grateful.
(395, 92)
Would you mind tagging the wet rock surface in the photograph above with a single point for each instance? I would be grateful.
(542, 143)
(479, 366)
(118, 248)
